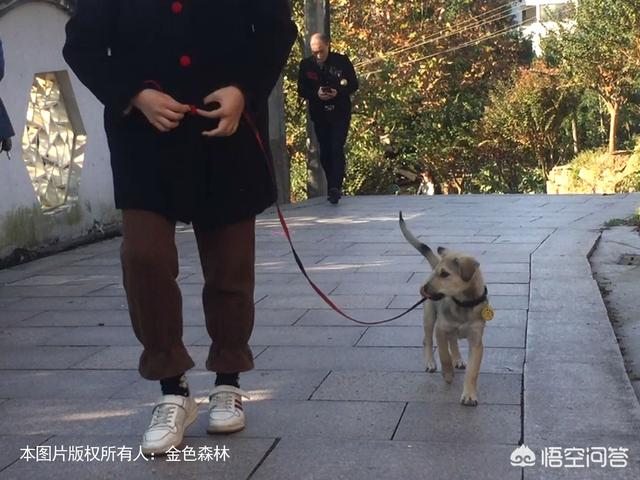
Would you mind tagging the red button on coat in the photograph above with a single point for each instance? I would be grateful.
(185, 60)
(193, 110)
(176, 7)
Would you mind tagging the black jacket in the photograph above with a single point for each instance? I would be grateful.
(187, 49)
(335, 71)
(6, 130)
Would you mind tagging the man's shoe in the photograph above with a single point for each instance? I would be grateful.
(334, 196)
(172, 414)
(226, 414)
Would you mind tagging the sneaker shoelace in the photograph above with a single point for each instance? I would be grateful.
(225, 401)
(164, 416)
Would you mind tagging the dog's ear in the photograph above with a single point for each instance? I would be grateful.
(442, 250)
(467, 267)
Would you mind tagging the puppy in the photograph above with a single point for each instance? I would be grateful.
(458, 307)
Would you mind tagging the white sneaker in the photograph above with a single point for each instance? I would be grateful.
(226, 414)
(172, 415)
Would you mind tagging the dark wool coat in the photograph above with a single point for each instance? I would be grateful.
(187, 49)
(6, 130)
(333, 73)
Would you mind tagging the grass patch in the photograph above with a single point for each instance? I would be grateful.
(632, 221)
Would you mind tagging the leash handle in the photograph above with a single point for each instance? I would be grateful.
(285, 229)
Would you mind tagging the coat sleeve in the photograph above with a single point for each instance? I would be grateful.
(351, 77)
(306, 87)
(90, 33)
(274, 34)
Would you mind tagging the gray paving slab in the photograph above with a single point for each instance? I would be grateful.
(43, 357)
(10, 449)
(313, 301)
(52, 280)
(115, 336)
(318, 418)
(570, 341)
(504, 337)
(426, 422)
(560, 268)
(315, 317)
(59, 416)
(551, 289)
(323, 459)
(10, 303)
(14, 317)
(503, 318)
(312, 336)
(258, 384)
(58, 384)
(502, 389)
(69, 303)
(22, 336)
(586, 402)
(244, 455)
(67, 271)
(78, 318)
(394, 359)
(48, 291)
(277, 316)
(126, 358)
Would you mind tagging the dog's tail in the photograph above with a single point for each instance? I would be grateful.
(431, 257)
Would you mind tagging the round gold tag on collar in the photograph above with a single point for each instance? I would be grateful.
(487, 313)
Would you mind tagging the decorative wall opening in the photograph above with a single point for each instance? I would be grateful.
(53, 141)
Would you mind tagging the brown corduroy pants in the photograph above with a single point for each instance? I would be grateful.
(150, 270)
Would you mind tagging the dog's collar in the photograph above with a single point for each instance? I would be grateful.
(472, 303)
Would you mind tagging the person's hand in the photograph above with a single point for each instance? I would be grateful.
(162, 111)
(327, 94)
(333, 93)
(231, 100)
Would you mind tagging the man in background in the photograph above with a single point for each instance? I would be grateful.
(326, 80)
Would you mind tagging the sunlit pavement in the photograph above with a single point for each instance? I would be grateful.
(329, 398)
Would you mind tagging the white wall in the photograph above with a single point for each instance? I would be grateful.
(33, 36)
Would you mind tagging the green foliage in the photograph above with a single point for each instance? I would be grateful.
(601, 52)
(525, 127)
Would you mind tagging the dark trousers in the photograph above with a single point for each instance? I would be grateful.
(332, 135)
(150, 270)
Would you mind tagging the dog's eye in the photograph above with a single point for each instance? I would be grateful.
(444, 274)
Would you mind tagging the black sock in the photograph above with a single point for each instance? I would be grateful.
(175, 385)
(228, 379)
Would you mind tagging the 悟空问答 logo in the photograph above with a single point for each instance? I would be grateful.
(523, 456)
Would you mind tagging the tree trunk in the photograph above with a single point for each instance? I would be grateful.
(614, 114)
(574, 133)
(278, 142)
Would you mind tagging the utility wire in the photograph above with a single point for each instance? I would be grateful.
(458, 47)
(481, 20)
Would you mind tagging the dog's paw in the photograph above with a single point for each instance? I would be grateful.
(448, 376)
(459, 364)
(468, 400)
(431, 367)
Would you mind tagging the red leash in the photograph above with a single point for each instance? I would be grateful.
(285, 228)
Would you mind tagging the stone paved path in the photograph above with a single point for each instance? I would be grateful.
(331, 399)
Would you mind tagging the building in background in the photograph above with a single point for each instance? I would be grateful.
(541, 16)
